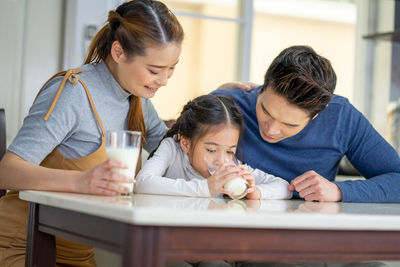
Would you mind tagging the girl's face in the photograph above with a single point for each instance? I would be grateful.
(142, 76)
(215, 147)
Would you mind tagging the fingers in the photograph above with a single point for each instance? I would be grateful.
(113, 163)
(313, 193)
(313, 187)
(251, 183)
(112, 186)
(255, 194)
(306, 183)
(228, 177)
(302, 177)
(108, 170)
(253, 85)
(246, 86)
(105, 179)
(102, 186)
(247, 175)
(117, 177)
(227, 169)
(303, 181)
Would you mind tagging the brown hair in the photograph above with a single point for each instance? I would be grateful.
(136, 25)
(302, 77)
(203, 114)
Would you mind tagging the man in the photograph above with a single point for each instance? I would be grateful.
(296, 128)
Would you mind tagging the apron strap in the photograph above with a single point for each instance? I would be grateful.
(72, 78)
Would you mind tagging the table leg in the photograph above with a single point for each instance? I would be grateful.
(144, 246)
(40, 247)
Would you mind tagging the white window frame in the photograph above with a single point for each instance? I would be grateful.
(245, 22)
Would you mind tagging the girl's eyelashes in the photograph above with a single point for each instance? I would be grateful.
(230, 152)
(153, 72)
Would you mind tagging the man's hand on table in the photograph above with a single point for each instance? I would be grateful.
(312, 186)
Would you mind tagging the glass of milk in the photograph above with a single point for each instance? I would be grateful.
(124, 146)
(238, 186)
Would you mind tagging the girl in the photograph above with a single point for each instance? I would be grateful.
(208, 127)
(61, 145)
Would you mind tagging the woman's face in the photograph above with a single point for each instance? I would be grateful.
(213, 149)
(142, 76)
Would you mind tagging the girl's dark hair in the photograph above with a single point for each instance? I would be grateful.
(136, 25)
(304, 78)
(203, 113)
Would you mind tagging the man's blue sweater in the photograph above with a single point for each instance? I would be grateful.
(338, 130)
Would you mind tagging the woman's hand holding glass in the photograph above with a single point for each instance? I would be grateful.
(101, 180)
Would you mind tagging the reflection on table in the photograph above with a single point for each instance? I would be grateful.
(222, 212)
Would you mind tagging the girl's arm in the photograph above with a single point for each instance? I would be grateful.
(151, 178)
(18, 174)
(270, 186)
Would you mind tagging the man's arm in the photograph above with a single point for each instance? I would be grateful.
(370, 154)
(376, 160)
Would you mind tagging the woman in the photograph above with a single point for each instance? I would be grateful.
(61, 145)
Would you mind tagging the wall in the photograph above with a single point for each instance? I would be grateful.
(210, 50)
(333, 40)
(34, 47)
(30, 53)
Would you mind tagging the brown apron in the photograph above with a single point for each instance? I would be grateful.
(14, 212)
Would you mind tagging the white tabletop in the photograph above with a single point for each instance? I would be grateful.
(211, 212)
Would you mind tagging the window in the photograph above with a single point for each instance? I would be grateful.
(210, 52)
(224, 43)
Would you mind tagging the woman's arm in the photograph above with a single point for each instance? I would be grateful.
(18, 174)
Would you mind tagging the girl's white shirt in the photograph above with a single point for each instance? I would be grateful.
(169, 172)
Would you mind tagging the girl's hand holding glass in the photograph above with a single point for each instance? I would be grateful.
(252, 192)
(220, 177)
(236, 185)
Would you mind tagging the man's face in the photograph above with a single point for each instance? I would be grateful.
(278, 119)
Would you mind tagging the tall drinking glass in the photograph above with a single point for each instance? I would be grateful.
(238, 185)
(124, 146)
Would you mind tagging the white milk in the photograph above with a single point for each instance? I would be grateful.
(238, 186)
(130, 157)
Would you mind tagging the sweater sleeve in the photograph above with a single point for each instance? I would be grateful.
(270, 186)
(151, 178)
(374, 158)
(38, 137)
